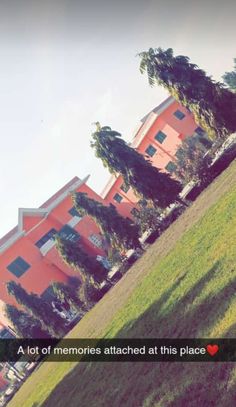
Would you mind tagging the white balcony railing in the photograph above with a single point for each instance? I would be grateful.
(74, 221)
(47, 246)
(51, 243)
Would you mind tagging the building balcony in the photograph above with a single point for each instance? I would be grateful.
(47, 246)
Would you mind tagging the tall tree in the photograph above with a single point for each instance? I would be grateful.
(147, 217)
(115, 257)
(24, 324)
(192, 162)
(38, 309)
(147, 181)
(122, 232)
(65, 293)
(230, 78)
(89, 294)
(213, 106)
(79, 260)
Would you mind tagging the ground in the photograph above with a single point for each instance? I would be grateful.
(184, 286)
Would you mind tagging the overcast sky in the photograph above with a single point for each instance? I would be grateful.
(66, 64)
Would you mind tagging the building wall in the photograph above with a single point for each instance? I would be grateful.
(128, 198)
(46, 266)
(175, 130)
(36, 279)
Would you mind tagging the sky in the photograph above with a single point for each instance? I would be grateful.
(67, 64)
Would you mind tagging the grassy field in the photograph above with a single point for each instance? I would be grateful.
(184, 286)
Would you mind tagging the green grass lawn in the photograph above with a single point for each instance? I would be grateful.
(184, 286)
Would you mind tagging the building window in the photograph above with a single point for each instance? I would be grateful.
(18, 267)
(73, 212)
(170, 167)
(48, 236)
(96, 240)
(117, 197)
(124, 188)
(68, 233)
(180, 115)
(199, 131)
(150, 150)
(160, 136)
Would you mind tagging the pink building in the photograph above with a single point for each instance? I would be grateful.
(158, 137)
(28, 254)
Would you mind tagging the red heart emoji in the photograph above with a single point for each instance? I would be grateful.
(212, 349)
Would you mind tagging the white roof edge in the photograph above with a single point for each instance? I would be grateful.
(29, 211)
(39, 211)
(167, 102)
(11, 240)
(64, 194)
(147, 125)
(109, 184)
(151, 119)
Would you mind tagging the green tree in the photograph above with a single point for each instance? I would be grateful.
(230, 78)
(213, 106)
(122, 232)
(24, 324)
(65, 293)
(89, 294)
(147, 217)
(115, 257)
(192, 162)
(80, 261)
(147, 181)
(38, 309)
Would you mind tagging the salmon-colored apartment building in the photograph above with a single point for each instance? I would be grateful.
(158, 137)
(28, 254)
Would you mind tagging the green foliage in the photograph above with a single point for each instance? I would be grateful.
(65, 293)
(213, 106)
(74, 282)
(89, 294)
(38, 309)
(122, 232)
(75, 257)
(146, 181)
(230, 78)
(24, 324)
(192, 164)
(147, 217)
(115, 257)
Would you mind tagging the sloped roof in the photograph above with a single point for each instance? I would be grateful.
(15, 233)
(8, 235)
(159, 109)
(60, 191)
